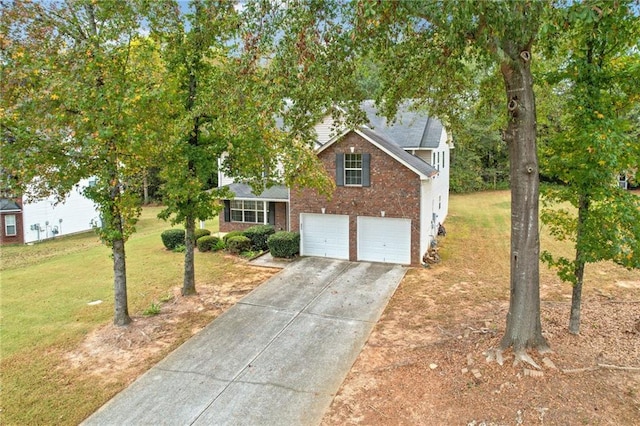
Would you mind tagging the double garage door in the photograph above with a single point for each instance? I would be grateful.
(378, 239)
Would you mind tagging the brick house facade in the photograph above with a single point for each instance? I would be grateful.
(393, 189)
(11, 221)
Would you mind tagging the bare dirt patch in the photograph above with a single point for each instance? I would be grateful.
(426, 361)
(113, 354)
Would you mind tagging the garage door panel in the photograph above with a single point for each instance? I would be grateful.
(384, 240)
(324, 235)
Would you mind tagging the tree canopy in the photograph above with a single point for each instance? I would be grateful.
(594, 141)
(422, 51)
(82, 97)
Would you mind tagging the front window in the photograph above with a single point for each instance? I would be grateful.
(353, 169)
(248, 211)
(10, 228)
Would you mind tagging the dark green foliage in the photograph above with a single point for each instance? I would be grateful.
(208, 243)
(229, 235)
(219, 246)
(258, 235)
(172, 238)
(197, 233)
(284, 244)
(238, 244)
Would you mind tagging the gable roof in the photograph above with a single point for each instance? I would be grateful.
(414, 163)
(411, 129)
(7, 205)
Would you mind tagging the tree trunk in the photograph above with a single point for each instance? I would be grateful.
(121, 311)
(524, 329)
(576, 294)
(189, 283)
(576, 301)
(145, 188)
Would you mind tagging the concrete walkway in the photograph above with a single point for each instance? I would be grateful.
(276, 358)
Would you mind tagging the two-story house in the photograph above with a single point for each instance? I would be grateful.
(392, 191)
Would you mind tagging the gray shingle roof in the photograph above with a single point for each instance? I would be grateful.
(417, 164)
(411, 129)
(274, 193)
(8, 205)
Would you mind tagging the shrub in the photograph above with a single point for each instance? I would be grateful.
(171, 238)
(238, 244)
(200, 233)
(219, 246)
(207, 242)
(180, 248)
(231, 234)
(258, 235)
(284, 244)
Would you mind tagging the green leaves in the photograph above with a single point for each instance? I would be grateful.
(593, 141)
(85, 97)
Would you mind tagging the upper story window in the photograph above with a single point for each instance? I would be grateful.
(353, 169)
(10, 228)
(248, 211)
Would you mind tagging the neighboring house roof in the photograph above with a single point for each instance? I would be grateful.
(274, 193)
(7, 205)
(411, 129)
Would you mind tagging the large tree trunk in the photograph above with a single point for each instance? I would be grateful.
(121, 310)
(524, 329)
(189, 283)
(576, 294)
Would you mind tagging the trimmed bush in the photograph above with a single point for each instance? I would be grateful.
(258, 234)
(219, 246)
(172, 238)
(238, 244)
(231, 234)
(207, 243)
(200, 233)
(284, 244)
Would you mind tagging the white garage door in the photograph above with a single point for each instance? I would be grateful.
(324, 235)
(383, 239)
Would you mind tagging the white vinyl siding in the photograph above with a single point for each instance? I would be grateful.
(325, 130)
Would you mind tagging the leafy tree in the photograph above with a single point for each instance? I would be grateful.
(196, 55)
(422, 49)
(226, 103)
(81, 98)
(599, 82)
(480, 158)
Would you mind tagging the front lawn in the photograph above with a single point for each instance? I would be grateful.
(46, 311)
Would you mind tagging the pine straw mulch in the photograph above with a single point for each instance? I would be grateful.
(429, 366)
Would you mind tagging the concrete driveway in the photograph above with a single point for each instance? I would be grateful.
(275, 358)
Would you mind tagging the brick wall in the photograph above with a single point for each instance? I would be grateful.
(16, 239)
(394, 189)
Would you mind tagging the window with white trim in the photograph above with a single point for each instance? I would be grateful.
(10, 228)
(353, 169)
(248, 211)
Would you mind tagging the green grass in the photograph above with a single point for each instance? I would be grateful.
(45, 289)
